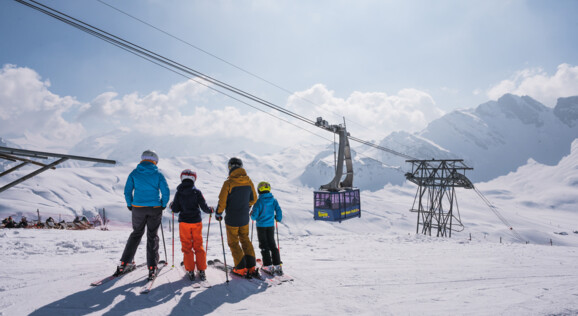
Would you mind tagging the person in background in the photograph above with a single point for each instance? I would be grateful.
(265, 212)
(146, 193)
(23, 222)
(9, 222)
(236, 198)
(189, 202)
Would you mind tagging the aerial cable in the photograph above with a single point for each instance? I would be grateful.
(173, 63)
(196, 47)
(122, 44)
(290, 93)
(497, 213)
(156, 58)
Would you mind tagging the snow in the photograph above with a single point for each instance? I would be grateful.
(373, 265)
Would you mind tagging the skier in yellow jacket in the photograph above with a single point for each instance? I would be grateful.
(236, 198)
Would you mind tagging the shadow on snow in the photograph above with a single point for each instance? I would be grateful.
(125, 299)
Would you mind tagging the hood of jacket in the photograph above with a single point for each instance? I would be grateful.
(266, 196)
(239, 175)
(146, 167)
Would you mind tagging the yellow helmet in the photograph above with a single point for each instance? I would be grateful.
(264, 187)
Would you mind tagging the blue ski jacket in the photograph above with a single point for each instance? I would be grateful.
(266, 210)
(147, 183)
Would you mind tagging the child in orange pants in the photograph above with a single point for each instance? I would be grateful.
(189, 202)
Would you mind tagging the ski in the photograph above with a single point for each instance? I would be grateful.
(129, 269)
(216, 263)
(279, 277)
(149, 285)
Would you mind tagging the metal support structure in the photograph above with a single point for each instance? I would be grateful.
(435, 200)
(12, 154)
(343, 156)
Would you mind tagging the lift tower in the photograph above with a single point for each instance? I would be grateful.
(435, 201)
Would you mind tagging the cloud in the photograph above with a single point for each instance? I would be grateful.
(537, 84)
(372, 115)
(33, 114)
(192, 110)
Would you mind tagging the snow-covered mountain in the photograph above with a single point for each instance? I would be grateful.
(495, 138)
(499, 136)
(125, 146)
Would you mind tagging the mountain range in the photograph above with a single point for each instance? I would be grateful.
(495, 138)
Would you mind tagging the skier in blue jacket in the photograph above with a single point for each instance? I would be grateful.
(146, 193)
(266, 211)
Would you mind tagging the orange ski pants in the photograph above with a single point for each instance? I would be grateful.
(192, 246)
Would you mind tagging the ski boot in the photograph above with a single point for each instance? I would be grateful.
(121, 269)
(278, 270)
(202, 275)
(191, 275)
(269, 269)
(241, 272)
(253, 273)
(152, 272)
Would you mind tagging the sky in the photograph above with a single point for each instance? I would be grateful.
(384, 66)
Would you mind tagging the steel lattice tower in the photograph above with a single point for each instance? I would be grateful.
(435, 201)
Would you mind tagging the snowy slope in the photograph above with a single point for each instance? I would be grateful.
(375, 264)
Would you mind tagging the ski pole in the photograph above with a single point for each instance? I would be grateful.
(173, 240)
(208, 229)
(252, 223)
(224, 257)
(163, 234)
(277, 230)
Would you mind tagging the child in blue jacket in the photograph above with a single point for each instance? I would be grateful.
(266, 211)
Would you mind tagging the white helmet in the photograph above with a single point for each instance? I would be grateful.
(188, 174)
(150, 155)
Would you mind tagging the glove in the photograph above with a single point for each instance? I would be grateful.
(211, 209)
(163, 208)
(219, 217)
(129, 208)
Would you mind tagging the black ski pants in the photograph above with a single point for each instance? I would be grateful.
(149, 217)
(269, 251)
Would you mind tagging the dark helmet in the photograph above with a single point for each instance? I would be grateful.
(235, 163)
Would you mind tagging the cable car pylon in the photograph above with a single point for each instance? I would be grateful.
(338, 200)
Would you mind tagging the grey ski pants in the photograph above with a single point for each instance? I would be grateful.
(149, 217)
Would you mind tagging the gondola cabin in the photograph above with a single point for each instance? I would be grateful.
(336, 206)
